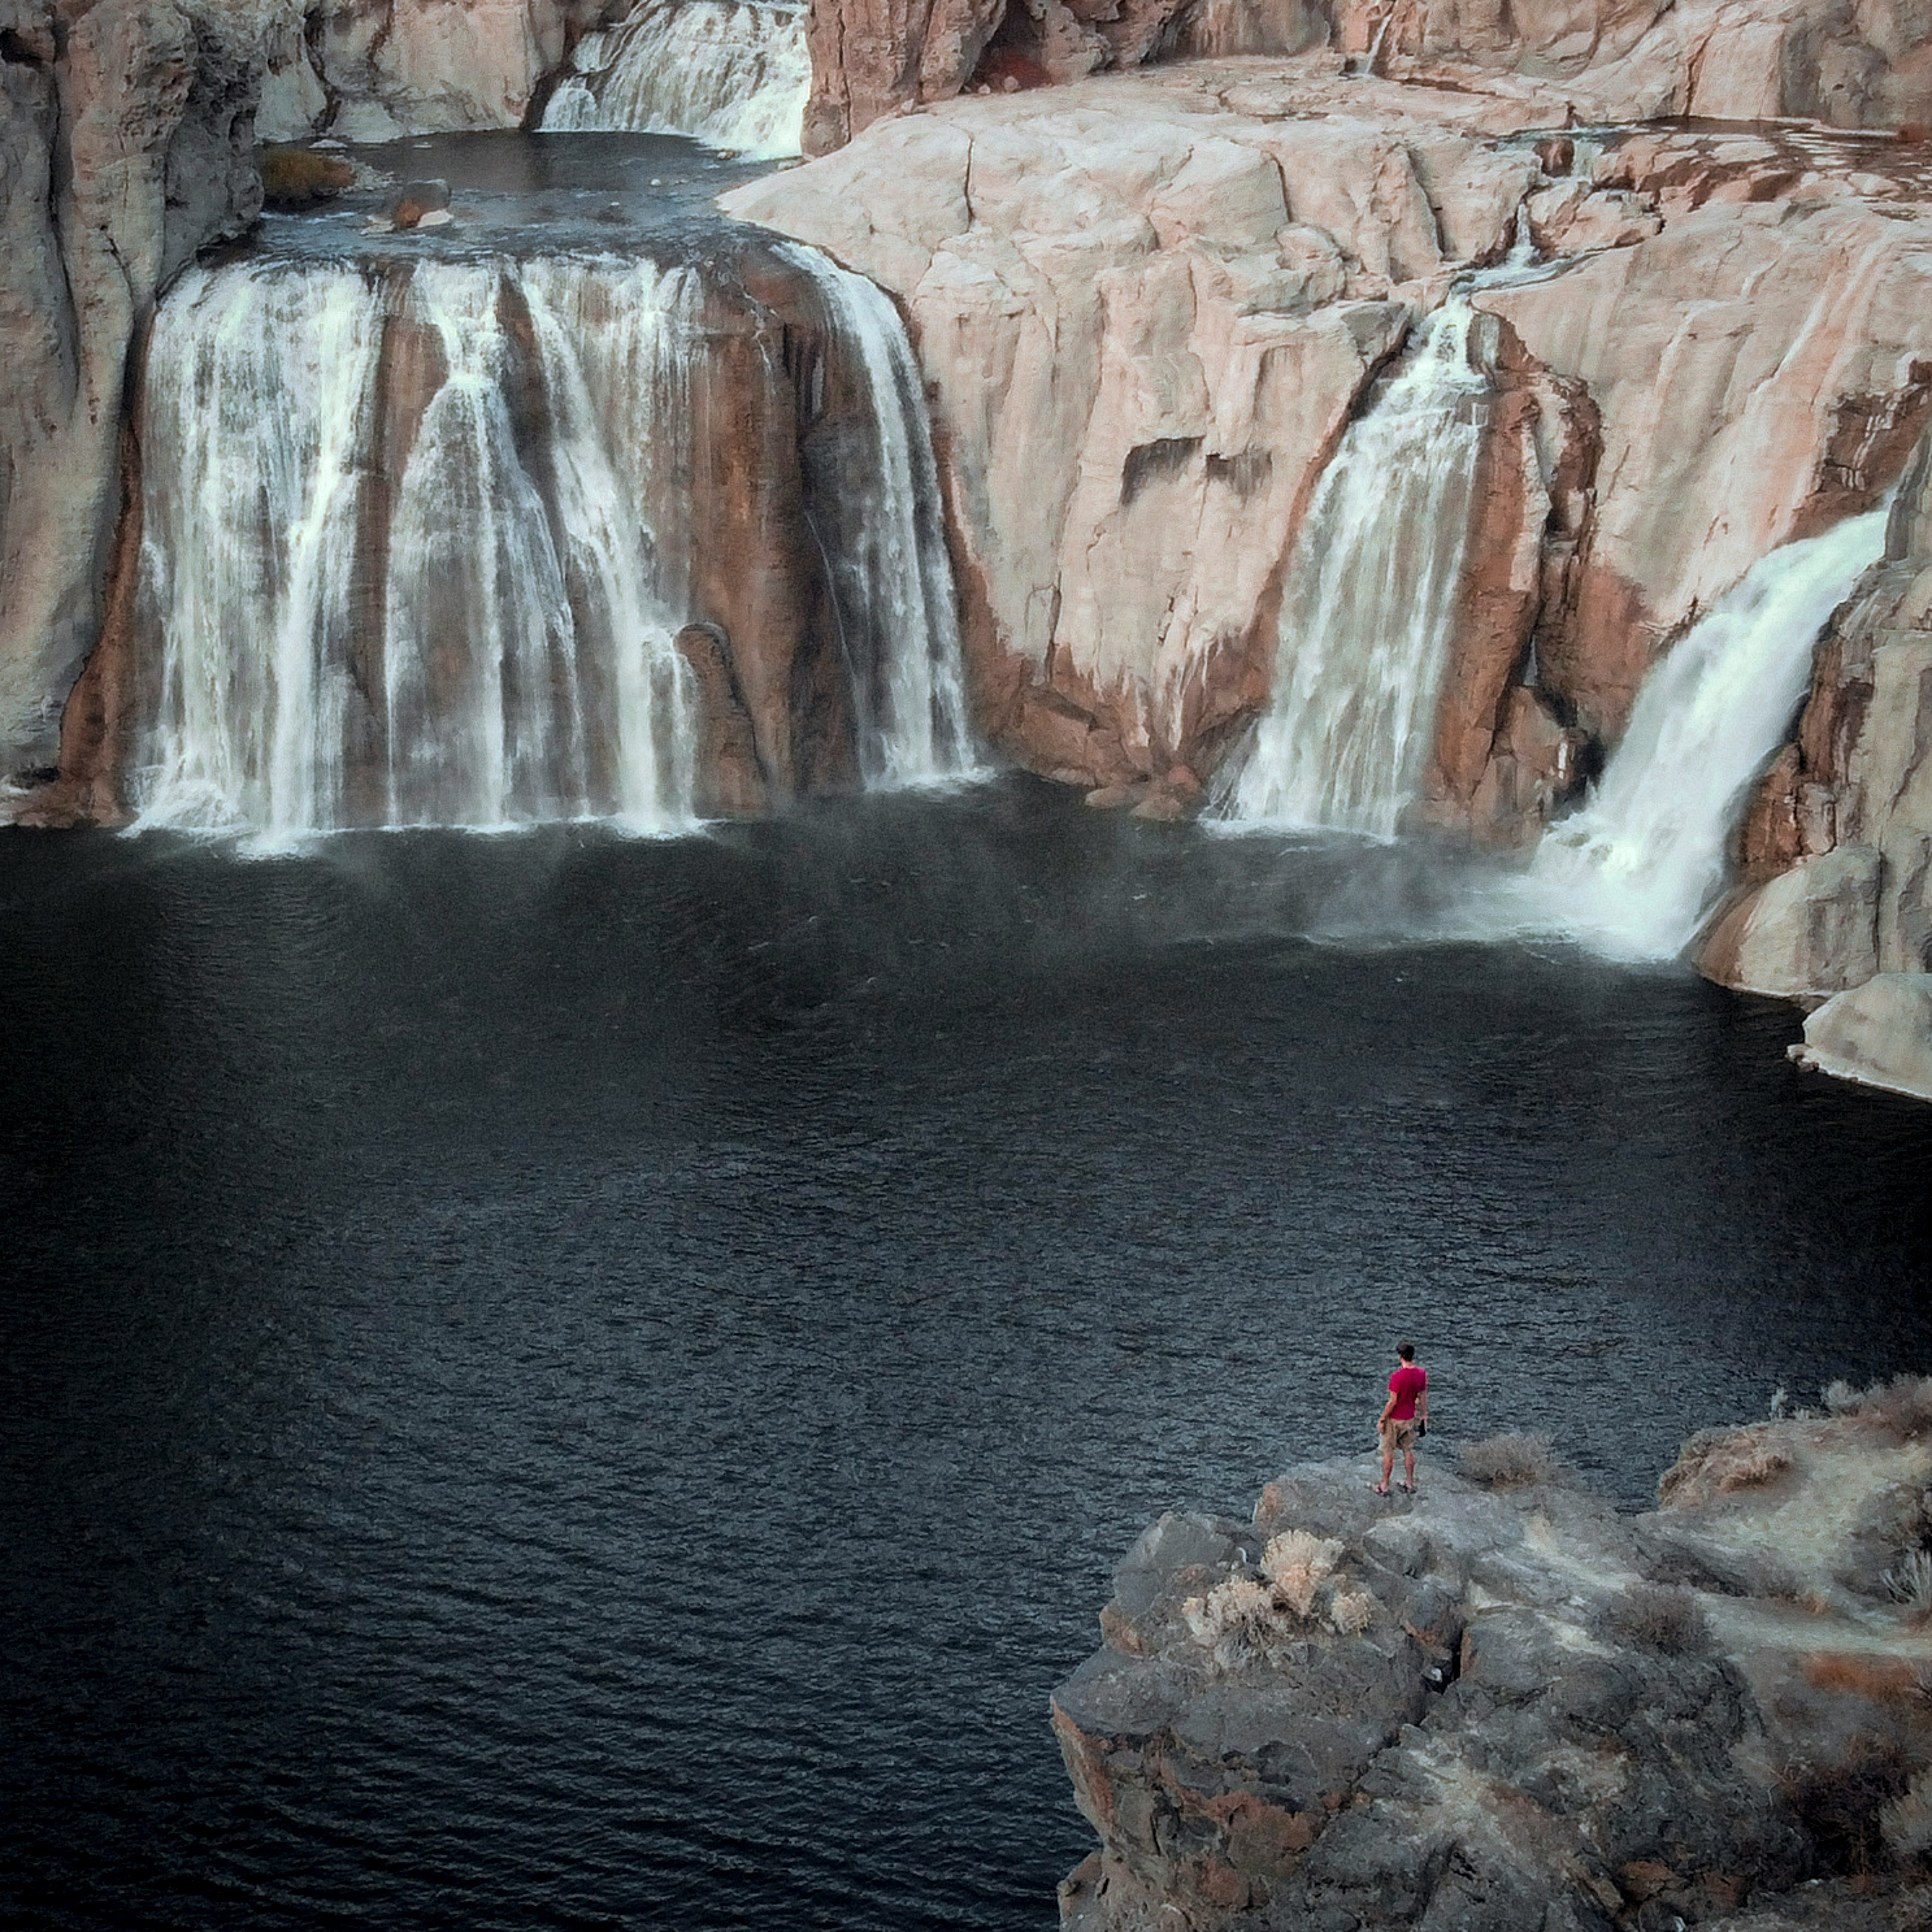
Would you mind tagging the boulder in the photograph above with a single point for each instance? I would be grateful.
(1878, 1034)
(1808, 933)
(1504, 1706)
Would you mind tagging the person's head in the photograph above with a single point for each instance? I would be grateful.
(1404, 1352)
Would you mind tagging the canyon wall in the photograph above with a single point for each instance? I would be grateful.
(1505, 1707)
(1146, 305)
(1836, 846)
(126, 144)
(1852, 63)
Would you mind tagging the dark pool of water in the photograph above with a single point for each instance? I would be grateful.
(557, 1382)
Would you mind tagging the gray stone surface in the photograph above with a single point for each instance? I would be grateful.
(1557, 1718)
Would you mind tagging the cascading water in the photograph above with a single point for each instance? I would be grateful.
(1632, 874)
(734, 74)
(419, 536)
(1370, 600)
(891, 583)
(433, 612)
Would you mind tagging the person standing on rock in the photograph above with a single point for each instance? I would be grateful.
(1404, 1417)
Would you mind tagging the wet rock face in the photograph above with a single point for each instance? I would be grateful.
(1506, 1708)
(126, 141)
(1836, 846)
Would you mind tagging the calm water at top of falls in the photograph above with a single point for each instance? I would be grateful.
(557, 1381)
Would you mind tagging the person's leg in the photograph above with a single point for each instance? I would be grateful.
(1408, 1465)
(1388, 1463)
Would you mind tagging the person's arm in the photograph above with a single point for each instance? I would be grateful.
(1422, 1400)
(1388, 1409)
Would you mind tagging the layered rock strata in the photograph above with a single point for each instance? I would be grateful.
(1505, 1707)
(1147, 306)
(126, 144)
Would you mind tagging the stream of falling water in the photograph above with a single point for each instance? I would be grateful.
(1632, 874)
(417, 541)
(734, 74)
(1370, 600)
(891, 579)
(468, 636)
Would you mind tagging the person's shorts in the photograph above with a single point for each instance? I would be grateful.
(1399, 1436)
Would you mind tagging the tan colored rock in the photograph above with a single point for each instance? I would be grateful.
(1878, 1034)
(1764, 367)
(126, 143)
(1808, 933)
(1144, 315)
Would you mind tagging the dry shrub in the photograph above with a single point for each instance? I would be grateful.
(1841, 1805)
(1903, 1405)
(1906, 1823)
(1887, 1678)
(1909, 1580)
(1661, 1618)
(1297, 1564)
(1352, 1612)
(1236, 1621)
(1507, 1462)
(1720, 1461)
(298, 177)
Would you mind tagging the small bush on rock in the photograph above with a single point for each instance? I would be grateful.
(1507, 1462)
(1660, 1618)
(1909, 1580)
(1297, 1564)
(1352, 1612)
(1237, 1622)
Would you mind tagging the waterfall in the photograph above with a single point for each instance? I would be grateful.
(1634, 872)
(385, 545)
(892, 580)
(419, 536)
(1369, 602)
(733, 73)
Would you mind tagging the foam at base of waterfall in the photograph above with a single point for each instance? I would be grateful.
(892, 578)
(1633, 875)
(474, 640)
(734, 74)
(1369, 605)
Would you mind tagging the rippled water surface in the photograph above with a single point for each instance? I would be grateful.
(557, 1381)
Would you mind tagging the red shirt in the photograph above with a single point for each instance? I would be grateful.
(1405, 1384)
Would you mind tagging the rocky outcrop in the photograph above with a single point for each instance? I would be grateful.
(373, 70)
(1505, 1707)
(1837, 848)
(126, 141)
(1147, 304)
(1849, 63)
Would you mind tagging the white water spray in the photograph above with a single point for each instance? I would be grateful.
(734, 74)
(1369, 602)
(892, 579)
(1634, 872)
(462, 634)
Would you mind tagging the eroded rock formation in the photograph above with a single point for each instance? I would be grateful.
(1836, 847)
(1506, 1708)
(1147, 304)
(126, 144)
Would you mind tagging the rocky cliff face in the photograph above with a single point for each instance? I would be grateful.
(1147, 304)
(126, 144)
(1837, 849)
(1504, 1707)
(1850, 63)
